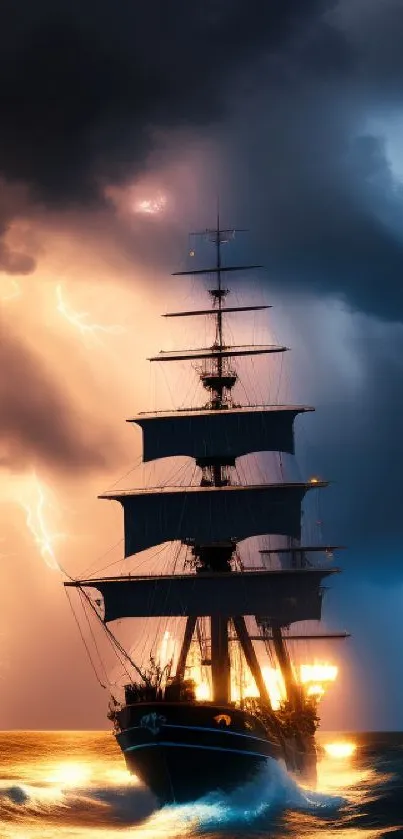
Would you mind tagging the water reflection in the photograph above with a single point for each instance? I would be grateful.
(75, 786)
(340, 749)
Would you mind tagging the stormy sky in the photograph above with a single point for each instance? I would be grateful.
(292, 112)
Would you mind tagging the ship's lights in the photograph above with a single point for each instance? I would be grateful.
(314, 480)
(167, 651)
(80, 319)
(275, 685)
(315, 690)
(340, 750)
(151, 206)
(203, 692)
(316, 678)
(318, 673)
(244, 688)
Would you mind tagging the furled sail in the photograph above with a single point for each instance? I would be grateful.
(205, 515)
(218, 434)
(225, 311)
(282, 596)
(214, 269)
(217, 352)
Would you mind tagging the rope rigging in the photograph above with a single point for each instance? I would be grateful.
(85, 642)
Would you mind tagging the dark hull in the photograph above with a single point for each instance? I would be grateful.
(185, 751)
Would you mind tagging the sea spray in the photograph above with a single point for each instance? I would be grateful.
(272, 790)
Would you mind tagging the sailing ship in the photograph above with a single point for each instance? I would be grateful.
(179, 744)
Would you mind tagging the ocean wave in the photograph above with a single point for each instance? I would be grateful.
(88, 805)
(271, 791)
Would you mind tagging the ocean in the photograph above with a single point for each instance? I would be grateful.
(73, 785)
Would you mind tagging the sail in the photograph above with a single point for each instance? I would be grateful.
(205, 515)
(226, 434)
(282, 596)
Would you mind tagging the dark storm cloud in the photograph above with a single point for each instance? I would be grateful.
(373, 28)
(314, 170)
(12, 262)
(325, 207)
(83, 83)
(319, 174)
(86, 87)
(350, 366)
(13, 201)
(37, 422)
(358, 446)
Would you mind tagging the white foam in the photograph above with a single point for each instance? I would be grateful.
(271, 790)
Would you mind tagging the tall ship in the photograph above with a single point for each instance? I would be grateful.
(234, 614)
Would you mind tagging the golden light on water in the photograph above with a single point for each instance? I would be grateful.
(70, 775)
(120, 777)
(338, 768)
(341, 749)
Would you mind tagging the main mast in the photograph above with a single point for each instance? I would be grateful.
(219, 513)
(218, 558)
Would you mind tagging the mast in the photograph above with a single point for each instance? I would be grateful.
(220, 660)
(219, 313)
(292, 689)
(213, 517)
(212, 474)
(219, 558)
(187, 640)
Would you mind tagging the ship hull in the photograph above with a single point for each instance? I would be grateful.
(183, 752)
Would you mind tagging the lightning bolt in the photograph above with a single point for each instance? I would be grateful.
(13, 293)
(79, 319)
(44, 539)
(36, 500)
